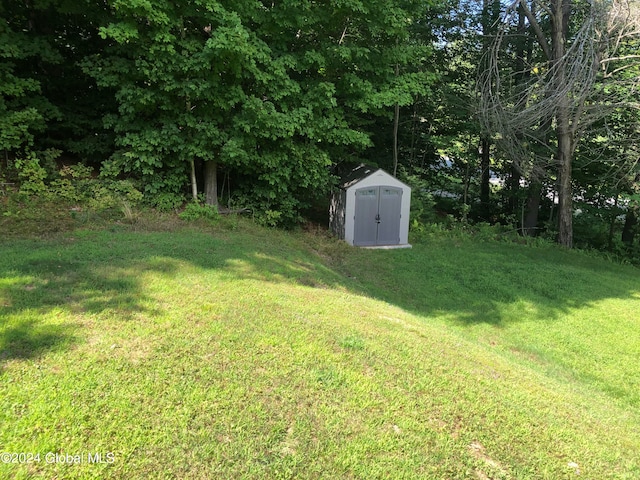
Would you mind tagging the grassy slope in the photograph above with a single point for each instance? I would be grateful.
(259, 354)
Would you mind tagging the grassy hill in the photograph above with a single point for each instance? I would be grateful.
(241, 352)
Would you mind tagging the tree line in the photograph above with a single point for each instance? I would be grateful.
(521, 112)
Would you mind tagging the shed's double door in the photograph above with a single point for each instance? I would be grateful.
(377, 216)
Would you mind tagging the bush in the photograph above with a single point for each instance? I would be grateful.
(277, 212)
(166, 202)
(111, 194)
(77, 184)
(199, 211)
(31, 170)
(461, 230)
(74, 187)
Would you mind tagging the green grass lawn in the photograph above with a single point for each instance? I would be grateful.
(241, 352)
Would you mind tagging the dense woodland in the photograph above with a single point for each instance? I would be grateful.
(521, 113)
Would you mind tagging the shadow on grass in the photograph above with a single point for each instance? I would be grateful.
(39, 283)
(29, 339)
(488, 282)
(104, 272)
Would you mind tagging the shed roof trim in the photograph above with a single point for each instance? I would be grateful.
(361, 172)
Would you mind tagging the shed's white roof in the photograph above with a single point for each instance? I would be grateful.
(363, 171)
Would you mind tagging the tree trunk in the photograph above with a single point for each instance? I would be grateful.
(414, 123)
(530, 221)
(489, 19)
(514, 190)
(629, 229)
(559, 28)
(565, 194)
(485, 165)
(612, 223)
(396, 123)
(211, 183)
(194, 181)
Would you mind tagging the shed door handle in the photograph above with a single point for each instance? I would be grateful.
(378, 218)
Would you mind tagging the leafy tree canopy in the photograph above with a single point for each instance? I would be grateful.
(271, 92)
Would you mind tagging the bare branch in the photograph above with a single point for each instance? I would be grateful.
(615, 59)
(542, 39)
(519, 108)
(344, 32)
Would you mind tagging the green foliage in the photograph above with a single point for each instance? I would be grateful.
(45, 100)
(422, 202)
(78, 184)
(267, 92)
(199, 211)
(165, 201)
(275, 94)
(110, 194)
(74, 188)
(23, 110)
(270, 218)
(462, 230)
(31, 174)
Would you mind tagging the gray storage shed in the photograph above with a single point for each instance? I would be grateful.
(371, 209)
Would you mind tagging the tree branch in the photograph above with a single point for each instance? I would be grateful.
(542, 40)
(613, 59)
(344, 32)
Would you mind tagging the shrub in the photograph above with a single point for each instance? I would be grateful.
(166, 202)
(199, 211)
(32, 172)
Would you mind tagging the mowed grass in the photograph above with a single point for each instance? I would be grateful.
(253, 353)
